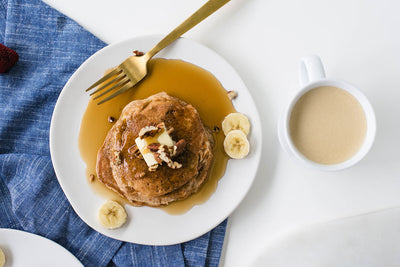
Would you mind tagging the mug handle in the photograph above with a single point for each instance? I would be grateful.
(311, 70)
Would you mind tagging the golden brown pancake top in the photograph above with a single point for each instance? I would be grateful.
(128, 174)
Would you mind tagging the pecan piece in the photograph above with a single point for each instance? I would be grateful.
(153, 147)
(148, 131)
(163, 153)
(138, 53)
(153, 168)
(174, 165)
(134, 150)
(111, 119)
(179, 147)
(161, 125)
(232, 94)
(170, 130)
(158, 158)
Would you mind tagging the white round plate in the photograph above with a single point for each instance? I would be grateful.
(150, 226)
(26, 249)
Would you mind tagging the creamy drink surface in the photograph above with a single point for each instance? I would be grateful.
(328, 125)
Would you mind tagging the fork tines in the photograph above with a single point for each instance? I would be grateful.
(116, 79)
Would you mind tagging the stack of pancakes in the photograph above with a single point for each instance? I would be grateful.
(128, 174)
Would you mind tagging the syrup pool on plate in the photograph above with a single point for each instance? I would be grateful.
(177, 78)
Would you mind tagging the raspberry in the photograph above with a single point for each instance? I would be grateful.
(8, 58)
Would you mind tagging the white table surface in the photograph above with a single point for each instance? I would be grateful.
(358, 41)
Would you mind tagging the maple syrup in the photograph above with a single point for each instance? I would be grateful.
(177, 78)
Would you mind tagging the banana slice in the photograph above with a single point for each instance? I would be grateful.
(112, 215)
(2, 258)
(236, 144)
(236, 121)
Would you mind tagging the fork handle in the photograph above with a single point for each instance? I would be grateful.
(206, 10)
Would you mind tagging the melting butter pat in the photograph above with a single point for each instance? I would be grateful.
(165, 139)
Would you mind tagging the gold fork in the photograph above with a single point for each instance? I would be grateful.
(134, 68)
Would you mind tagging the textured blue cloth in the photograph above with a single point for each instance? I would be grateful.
(51, 47)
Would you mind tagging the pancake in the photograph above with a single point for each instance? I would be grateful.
(121, 168)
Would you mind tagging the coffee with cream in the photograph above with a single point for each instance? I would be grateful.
(328, 125)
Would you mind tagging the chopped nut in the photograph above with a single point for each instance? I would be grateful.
(232, 94)
(174, 165)
(91, 178)
(179, 147)
(161, 125)
(111, 119)
(153, 147)
(164, 155)
(134, 150)
(157, 158)
(170, 130)
(153, 168)
(138, 53)
(148, 131)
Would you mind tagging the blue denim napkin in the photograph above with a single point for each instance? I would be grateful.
(51, 47)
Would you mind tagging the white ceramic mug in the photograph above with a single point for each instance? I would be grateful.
(312, 75)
